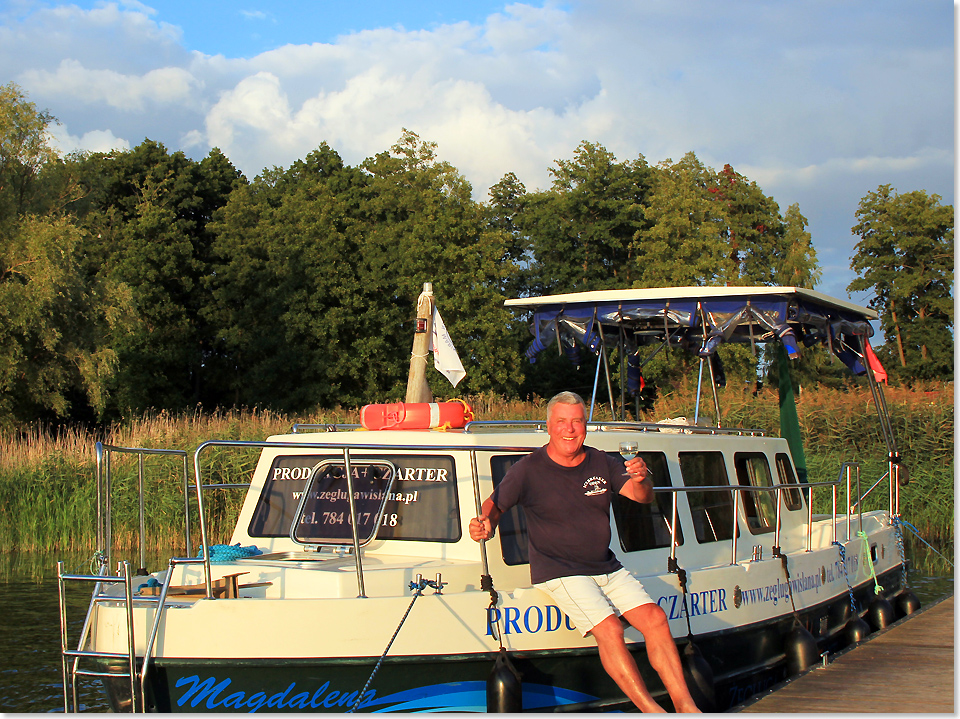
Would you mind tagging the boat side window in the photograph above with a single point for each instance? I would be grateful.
(791, 497)
(514, 546)
(422, 505)
(760, 507)
(712, 511)
(647, 526)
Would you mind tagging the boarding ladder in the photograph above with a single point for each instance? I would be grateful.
(76, 662)
(71, 658)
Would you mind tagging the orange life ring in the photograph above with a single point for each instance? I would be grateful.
(416, 415)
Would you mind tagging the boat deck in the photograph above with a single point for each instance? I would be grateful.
(906, 668)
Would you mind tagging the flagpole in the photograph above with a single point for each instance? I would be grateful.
(418, 389)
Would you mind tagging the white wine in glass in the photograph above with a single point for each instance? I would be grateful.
(628, 450)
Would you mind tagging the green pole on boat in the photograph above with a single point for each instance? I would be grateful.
(789, 421)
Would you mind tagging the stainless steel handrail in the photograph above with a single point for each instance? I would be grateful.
(737, 489)
(299, 427)
(105, 495)
(477, 426)
(354, 529)
(345, 448)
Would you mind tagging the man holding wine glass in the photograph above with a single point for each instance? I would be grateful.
(565, 490)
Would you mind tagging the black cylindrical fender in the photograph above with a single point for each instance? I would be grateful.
(504, 690)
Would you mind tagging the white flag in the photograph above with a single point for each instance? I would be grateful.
(445, 357)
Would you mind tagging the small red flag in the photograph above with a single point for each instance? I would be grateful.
(878, 371)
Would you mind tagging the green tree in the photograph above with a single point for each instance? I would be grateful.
(319, 268)
(505, 209)
(24, 150)
(719, 228)
(905, 256)
(55, 323)
(581, 231)
(55, 319)
(764, 248)
(283, 258)
(424, 226)
(683, 243)
(146, 215)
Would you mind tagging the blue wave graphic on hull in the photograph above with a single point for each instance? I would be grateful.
(472, 697)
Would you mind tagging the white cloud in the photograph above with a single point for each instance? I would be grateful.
(816, 101)
(257, 15)
(163, 86)
(91, 141)
(836, 168)
(106, 37)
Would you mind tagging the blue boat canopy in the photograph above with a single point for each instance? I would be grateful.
(699, 319)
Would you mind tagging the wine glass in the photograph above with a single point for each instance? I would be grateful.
(628, 450)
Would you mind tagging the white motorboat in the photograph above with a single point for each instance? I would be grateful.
(350, 581)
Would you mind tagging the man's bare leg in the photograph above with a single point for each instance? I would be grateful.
(651, 621)
(620, 664)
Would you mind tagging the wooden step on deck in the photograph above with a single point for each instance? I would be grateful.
(905, 668)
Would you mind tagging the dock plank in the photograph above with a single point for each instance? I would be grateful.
(908, 667)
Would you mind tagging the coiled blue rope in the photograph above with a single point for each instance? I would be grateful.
(220, 553)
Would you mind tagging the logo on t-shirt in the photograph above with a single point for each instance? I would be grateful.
(594, 485)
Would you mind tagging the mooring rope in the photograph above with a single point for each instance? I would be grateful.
(843, 562)
(97, 560)
(674, 566)
(917, 533)
(903, 556)
(486, 585)
(873, 572)
(786, 573)
(419, 587)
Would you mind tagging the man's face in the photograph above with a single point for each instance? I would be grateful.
(567, 428)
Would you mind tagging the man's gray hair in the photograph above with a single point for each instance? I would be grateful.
(566, 398)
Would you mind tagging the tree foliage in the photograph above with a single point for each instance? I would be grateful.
(319, 268)
(55, 319)
(905, 256)
(580, 232)
(145, 278)
(145, 214)
(24, 150)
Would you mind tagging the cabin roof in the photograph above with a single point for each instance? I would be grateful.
(674, 294)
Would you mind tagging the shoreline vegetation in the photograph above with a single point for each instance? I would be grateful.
(48, 479)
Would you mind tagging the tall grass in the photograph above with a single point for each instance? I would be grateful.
(48, 480)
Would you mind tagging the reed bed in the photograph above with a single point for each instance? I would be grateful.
(48, 479)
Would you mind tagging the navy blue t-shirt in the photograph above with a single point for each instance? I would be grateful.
(567, 511)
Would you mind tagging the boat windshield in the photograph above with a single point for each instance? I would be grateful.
(421, 504)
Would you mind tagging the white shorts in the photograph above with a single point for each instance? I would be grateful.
(590, 600)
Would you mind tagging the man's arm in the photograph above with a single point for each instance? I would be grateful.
(639, 487)
(482, 527)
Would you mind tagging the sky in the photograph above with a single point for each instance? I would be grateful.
(817, 101)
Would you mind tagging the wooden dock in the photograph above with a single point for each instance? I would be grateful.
(905, 668)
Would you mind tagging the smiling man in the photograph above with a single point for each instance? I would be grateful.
(565, 490)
